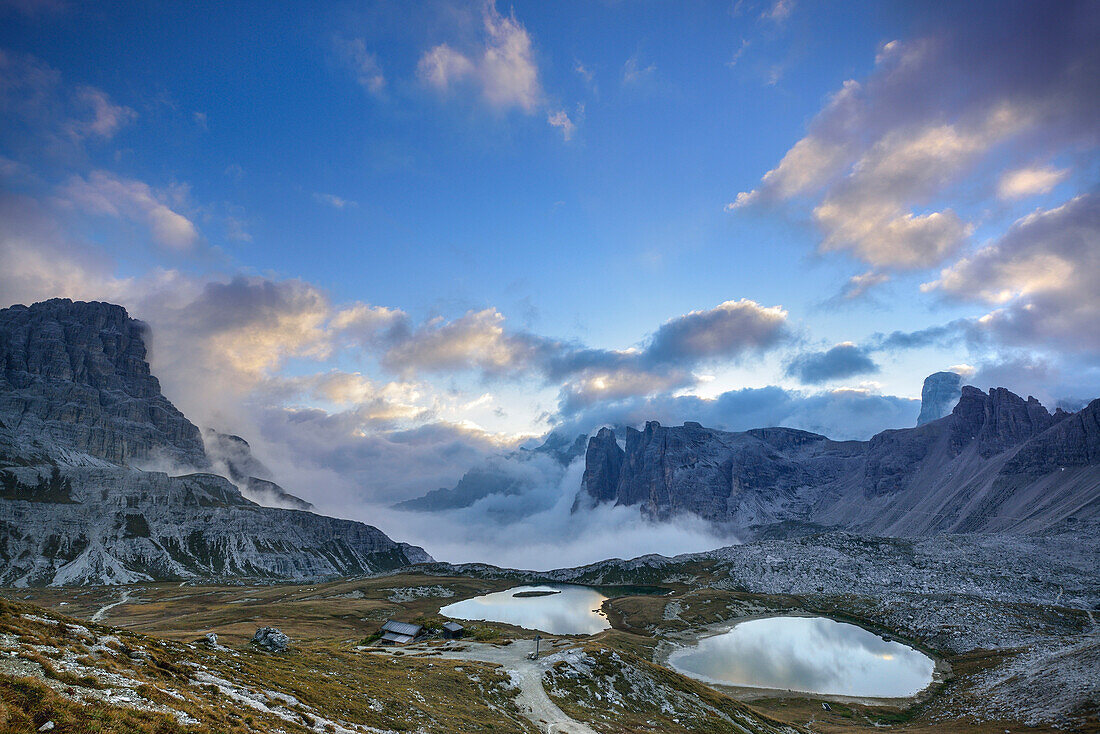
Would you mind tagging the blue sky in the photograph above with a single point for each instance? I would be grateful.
(419, 232)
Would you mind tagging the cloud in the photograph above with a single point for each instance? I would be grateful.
(585, 73)
(842, 414)
(1041, 275)
(535, 529)
(636, 71)
(858, 285)
(723, 332)
(779, 11)
(48, 116)
(843, 360)
(476, 340)
(560, 119)
(480, 341)
(105, 118)
(334, 201)
(933, 335)
(368, 71)
(501, 66)
(103, 193)
(594, 386)
(884, 153)
(1024, 182)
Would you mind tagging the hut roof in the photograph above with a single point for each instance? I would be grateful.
(401, 628)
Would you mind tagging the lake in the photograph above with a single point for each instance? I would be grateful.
(558, 609)
(811, 654)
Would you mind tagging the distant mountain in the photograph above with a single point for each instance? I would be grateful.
(995, 463)
(83, 422)
(507, 475)
(247, 472)
(939, 395)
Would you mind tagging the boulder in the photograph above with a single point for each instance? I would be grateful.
(271, 639)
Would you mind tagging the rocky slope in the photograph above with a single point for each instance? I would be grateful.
(82, 418)
(995, 463)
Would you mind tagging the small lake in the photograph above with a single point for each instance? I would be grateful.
(557, 609)
(811, 654)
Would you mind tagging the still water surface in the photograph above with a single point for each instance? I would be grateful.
(573, 610)
(812, 654)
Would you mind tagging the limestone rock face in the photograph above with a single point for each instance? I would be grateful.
(81, 421)
(76, 373)
(997, 462)
(939, 395)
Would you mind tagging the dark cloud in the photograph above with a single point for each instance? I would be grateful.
(843, 360)
(723, 332)
(931, 336)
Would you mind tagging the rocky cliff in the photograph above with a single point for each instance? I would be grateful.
(995, 463)
(75, 375)
(82, 421)
(938, 396)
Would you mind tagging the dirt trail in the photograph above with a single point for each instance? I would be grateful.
(102, 611)
(526, 674)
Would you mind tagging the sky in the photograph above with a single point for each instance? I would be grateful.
(387, 241)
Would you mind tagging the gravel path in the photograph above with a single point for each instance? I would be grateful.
(102, 611)
(525, 673)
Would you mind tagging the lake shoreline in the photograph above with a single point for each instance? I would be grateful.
(677, 641)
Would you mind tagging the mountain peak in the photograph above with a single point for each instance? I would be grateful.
(939, 395)
(76, 371)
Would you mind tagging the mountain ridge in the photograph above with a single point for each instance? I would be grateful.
(997, 462)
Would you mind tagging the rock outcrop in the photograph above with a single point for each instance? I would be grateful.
(82, 420)
(271, 639)
(997, 462)
(939, 396)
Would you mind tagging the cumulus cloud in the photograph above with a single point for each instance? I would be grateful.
(729, 329)
(480, 340)
(884, 152)
(1024, 182)
(501, 66)
(104, 193)
(475, 340)
(1041, 276)
(843, 360)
